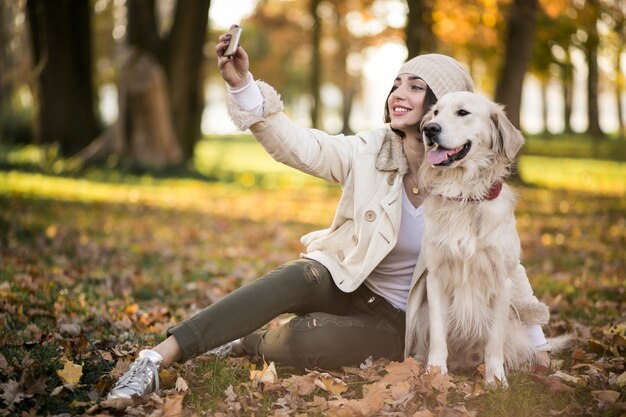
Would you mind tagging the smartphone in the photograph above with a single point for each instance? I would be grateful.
(235, 32)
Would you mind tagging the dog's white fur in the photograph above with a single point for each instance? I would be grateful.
(471, 245)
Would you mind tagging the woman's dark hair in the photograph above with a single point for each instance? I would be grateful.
(429, 100)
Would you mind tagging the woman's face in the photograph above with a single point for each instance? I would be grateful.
(406, 103)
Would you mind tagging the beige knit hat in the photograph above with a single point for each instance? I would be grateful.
(442, 73)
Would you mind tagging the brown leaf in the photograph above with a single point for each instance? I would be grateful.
(300, 384)
(12, 392)
(173, 406)
(553, 384)
(605, 397)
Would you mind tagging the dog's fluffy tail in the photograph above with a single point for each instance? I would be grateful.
(560, 343)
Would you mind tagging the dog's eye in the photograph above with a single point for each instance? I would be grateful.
(436, 112)
(462, 113)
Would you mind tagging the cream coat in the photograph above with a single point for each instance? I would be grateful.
(369, 167)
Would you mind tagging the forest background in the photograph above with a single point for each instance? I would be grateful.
(127, 203)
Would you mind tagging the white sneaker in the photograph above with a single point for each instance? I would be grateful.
(141, 378)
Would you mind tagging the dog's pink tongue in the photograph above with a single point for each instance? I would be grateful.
(437, 156)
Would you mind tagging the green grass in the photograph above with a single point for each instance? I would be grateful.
(575, 146)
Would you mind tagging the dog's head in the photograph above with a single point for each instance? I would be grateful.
(466, 127)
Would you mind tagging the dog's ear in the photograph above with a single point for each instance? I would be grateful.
(507, 139)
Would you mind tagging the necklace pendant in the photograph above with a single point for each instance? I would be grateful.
(415, 191)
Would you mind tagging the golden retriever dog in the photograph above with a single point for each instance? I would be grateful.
(471, 246)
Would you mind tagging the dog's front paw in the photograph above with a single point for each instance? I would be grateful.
(437, 368)
(495, 376)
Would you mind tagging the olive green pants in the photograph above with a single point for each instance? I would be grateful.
(331, 328)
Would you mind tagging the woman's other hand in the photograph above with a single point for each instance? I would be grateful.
(234, 69)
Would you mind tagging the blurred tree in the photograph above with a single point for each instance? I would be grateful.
(316, 64)
(419, 28)
(521, 23)
(5, 86)
(60, 31)
(344, 48)
(589, 44)
(615, 17)
(159, 87)
(471, 32)
(551, 58)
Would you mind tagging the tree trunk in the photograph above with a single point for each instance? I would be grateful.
(184, 69)
(419, 28)
(4, 84)
(567, 79)
(591, 54)
(544, 105)
(346, 82)
(61, 35)
(159, 88)
(620, 79)
(518, 49)
(316, 65)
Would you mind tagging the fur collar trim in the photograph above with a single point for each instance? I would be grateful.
(391, 156)
(243, 119)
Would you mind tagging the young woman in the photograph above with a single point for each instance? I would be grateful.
(351, 290)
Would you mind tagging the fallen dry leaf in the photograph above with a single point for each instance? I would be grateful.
(267, 374)
(12, 393)
(181, 385)
(70, 374)
(605, 397)
(422, 413)
(173, 406)
(553, 384)
(330, 384)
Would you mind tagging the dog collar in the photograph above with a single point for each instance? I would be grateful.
(493, 193)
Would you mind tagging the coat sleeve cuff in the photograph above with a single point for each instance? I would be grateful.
(243, 119)
(533, 313)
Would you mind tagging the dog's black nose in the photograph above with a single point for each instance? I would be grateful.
(432, 129)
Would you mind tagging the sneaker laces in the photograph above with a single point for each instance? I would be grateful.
(143, 373)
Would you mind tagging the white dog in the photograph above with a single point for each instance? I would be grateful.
(471, 245)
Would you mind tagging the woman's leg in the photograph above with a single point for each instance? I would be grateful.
(298, 287)
(372, 327)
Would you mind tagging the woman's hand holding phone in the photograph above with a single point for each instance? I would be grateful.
(232, 59)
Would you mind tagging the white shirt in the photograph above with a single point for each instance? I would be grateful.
(391, 279)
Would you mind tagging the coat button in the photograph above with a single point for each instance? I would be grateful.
(370, 216)
(340, 256)
(391, 178)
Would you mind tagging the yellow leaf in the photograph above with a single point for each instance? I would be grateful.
(621, 380)
(267, 374)
(332, 385)
(617, 329)
(70, 374)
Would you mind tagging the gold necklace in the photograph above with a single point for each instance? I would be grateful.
(414, 189)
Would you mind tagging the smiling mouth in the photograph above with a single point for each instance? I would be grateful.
(443, 157)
